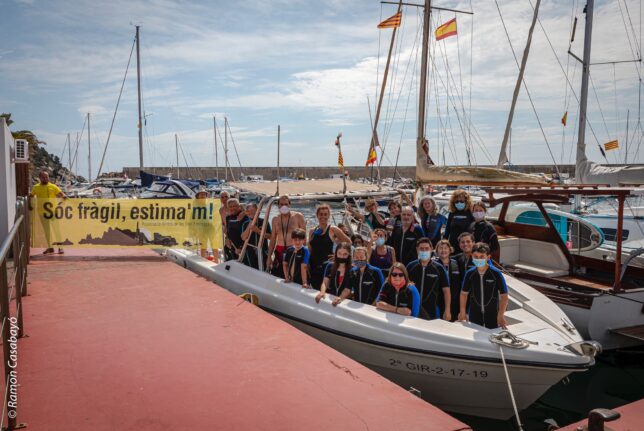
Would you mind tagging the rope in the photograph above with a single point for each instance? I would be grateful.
(507, 379)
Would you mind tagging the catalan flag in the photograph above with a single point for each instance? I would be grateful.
(564, 119)
(392, 21)
(446, 30)
(373, 157)
(612, 145)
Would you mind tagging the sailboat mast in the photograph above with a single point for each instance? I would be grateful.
(176, 146)
(214, 125)
(583, 102)
(422, 96)
(69, 154)
(503, 157)
(138, 83)
(226, 146)
(89, 151)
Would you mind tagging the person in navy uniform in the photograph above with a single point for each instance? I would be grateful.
(398, 294)
(460, 216)
(483, 230)
(431, 282)
(430, 220)
(486, 285)
(464, 258)
(336, 274)
(452, 271)
(296, 259)
(365, 280)
(403, 239)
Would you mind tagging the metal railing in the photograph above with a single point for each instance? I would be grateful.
(13, 286)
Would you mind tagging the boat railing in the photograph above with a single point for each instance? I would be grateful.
(13, 286)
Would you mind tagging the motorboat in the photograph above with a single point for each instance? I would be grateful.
(459, 367)
(168, 189)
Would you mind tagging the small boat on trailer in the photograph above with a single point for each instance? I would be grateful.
(459, 367)
(604, 299)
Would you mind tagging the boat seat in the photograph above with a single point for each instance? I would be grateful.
(532, 256)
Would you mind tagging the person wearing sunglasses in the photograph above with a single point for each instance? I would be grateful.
(460, 216)
(398, 294)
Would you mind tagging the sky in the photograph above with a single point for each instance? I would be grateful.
(314, 68)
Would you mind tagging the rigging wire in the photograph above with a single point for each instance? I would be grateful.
(526, 87)
(234, 146)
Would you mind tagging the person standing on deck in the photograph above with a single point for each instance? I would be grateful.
(450, 266)
(484, 231)
(398, 294)
(43, 191)
(205, 231)
(336, 274)
(223, 213)
(282, 225)
(464, 258)
(296, 260)
(430, 220)
(382, 256)
(365, 280)
(235, 220)
(431, 282)
(320, 244)
(394, 219)
(486, 285)
(460, 216)
(254, 231)
(403, 239)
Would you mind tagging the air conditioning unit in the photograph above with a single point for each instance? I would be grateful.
(21, 151)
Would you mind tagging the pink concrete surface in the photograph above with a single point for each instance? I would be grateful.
(632, 419)
(121, 339)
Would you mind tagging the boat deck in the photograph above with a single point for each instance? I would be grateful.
(123, 339)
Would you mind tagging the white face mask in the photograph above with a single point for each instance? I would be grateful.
(478, 215)
(284, 209)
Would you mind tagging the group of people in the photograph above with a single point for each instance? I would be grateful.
(417, 262)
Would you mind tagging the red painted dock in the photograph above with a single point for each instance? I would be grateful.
(632, 419)
(125, 340)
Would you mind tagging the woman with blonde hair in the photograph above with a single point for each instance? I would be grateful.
(460, 216)
(430, 220)
(398, 294)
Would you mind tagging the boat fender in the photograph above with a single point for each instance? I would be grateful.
(250, 297)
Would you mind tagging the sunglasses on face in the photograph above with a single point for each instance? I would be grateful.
(397, 274)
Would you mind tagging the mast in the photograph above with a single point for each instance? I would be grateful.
(278, 160)
(214, 123)
(374, 135)
(69, 152)
(503, 156)
(422, 96)
(226, 146)
(583, 102)
(176, 146)
(138, 83)
(89, 152)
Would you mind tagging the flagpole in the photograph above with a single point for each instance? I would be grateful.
(278, 160)
(341, 163)
(374, 149)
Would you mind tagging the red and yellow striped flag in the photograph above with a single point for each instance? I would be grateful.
(392, 21)
(340, 160)
(373, 157)
(446, 30)
(612, 145)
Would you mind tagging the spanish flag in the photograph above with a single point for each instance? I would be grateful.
(564, 119)
(446, 30)
(373, 157)
(612, 145)
(392, 21)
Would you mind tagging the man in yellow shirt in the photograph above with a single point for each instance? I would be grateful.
(42, 191)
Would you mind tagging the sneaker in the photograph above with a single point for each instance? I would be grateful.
(48, 251)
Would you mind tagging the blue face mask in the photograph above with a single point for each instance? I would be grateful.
(360, 263)
(380, 241)
(460, 206)
(479, 263)
(424, 255)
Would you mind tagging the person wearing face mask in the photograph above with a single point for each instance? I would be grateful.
(321, 241)
(336, 274)
(254, 231)
(365, 280)
(452, 272)
(296, 260)
(460, 216)
(489, 293)
(235, 219)
(382, 255)
(431, 282)
(403, 239)
(398, 294)
(430, 220)
(281, 227)
(483, 230)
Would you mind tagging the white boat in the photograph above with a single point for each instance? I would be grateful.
(457, 366)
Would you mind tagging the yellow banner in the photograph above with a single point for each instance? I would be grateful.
(191, 223)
